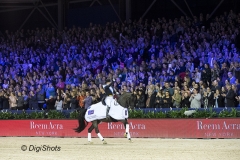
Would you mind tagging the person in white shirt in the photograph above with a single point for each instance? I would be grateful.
(197, 75)
(195, 99)
(58, 103)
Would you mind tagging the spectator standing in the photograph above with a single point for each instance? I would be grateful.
(167, 100)
(13, 101)
(87, 100)
(25, 100)
(195, 99)
(140, 99)
(59, 103)
(229, 96)
(185, 103)
(33, 102)
(159, 99)
(6, 101)
(20, 101)
(40, 97)
(98, 96)
(80, 98)
(1, 100)
(219, 99)
(50, 91)
(150, 103)
(66, 101)
(210, 97)
(73, 101)
(176, 98)
(50, 103)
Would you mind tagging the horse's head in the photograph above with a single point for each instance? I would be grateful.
(132, 101)
(127, 100)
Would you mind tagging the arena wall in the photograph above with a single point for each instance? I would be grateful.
(139, 128)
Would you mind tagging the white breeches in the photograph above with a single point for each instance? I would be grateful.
(110, 101)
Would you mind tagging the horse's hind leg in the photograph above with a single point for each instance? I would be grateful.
(125, 126)
(95, 124)
(89, 134)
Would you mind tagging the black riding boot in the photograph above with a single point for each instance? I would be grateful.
(107, 116)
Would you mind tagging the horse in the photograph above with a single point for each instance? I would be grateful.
(126, 100)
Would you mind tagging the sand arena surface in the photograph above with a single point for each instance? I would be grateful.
(120, 148)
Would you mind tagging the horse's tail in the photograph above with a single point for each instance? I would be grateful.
(82, 123)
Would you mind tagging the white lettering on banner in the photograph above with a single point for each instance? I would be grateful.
(50, 125)
(42, 133)
(122, 133)
(201, 126)
(230, 126)
(121, 126)
(222, 134)
(220, 127)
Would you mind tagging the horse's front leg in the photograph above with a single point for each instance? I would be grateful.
(127, 133)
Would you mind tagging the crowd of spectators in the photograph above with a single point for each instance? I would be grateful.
(181, 62)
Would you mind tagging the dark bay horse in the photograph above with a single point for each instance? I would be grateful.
(126, 100)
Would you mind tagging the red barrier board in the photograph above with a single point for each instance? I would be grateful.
(149, 128)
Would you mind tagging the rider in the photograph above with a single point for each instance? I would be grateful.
(108, 98)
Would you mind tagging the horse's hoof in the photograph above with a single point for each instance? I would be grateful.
(104, 142)
(90, 143)
(125, 135)
(130, 141)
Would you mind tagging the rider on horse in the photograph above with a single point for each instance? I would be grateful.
(108, 98)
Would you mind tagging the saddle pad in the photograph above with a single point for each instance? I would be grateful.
(118, 112)
(98, 111)
(95, 112)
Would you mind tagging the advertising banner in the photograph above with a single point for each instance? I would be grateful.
(139, 128)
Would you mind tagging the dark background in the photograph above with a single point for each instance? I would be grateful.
(81, 14)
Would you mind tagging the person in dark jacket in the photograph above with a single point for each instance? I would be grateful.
(140, 99)
(208, 98)
(185, 103)
(25, 100)
(93, 94)
(150, 103)
(66, 101)
(20, 101)
(98, 96)
(73, 101)
(1, 100)
(152, 99)
(33, 103)
(5, 101)
(50, 103)
(208, 74)
(159, 100)
(230, 96)
(167, 100)
(219, 99)
(40, 97)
